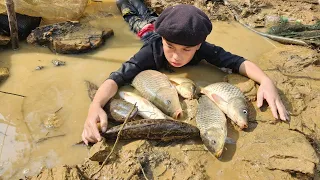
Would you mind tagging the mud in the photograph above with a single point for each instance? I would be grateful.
(269, 149)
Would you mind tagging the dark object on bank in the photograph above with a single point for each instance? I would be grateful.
(154, 129)
(116, 109)
(307, 33)
(69, 37)
(12, 24)
(25, 25)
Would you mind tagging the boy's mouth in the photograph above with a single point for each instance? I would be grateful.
(175, 64)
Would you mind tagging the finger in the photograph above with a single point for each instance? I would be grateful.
(273, 107)
(281, 110)
(95, 132)
(103, 121)
(84, 137)
(259, 99)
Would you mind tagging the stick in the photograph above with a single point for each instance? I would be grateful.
(12, 94)
(12, 24)
(49, 137)
(144, 174)
(114, 145)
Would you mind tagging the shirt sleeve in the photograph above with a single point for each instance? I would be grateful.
(219, 57)
(141, 61)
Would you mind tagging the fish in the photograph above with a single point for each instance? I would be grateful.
(185, 87)
(230, 100)
(154, 129)
(156, 87)
(116, 109)
(145, 108)
(212, 124)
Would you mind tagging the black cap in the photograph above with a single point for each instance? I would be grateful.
(184, 25)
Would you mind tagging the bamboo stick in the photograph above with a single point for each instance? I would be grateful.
(12, 24)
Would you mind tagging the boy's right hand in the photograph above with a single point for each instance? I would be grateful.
(96, 115)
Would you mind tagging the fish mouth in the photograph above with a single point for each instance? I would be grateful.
(243, 126)
(218, 153)
(177, 114)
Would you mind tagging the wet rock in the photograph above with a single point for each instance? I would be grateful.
(4, 73)
(69, 37)
(61, 172)
(4, 40)
(99, 151)
(271, 147)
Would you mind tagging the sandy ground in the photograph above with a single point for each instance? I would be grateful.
(268, 149)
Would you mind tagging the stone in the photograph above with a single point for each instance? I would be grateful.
(69, 37)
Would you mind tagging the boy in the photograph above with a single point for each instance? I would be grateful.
(178, 40)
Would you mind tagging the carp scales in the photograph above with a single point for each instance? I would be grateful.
(154, 129)
(212, 124)
(116, 109)
(230, 100)
(156, 87)
(185, 87)
(145, 108)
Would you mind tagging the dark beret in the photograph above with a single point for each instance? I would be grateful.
(184, 25)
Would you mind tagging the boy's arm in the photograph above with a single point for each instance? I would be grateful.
(267, 89)
(96, 113)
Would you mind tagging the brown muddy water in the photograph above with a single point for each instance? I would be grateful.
(23, 121)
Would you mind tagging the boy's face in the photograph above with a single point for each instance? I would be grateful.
(178, 55)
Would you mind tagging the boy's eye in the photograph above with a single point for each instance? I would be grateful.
(170, 47)
(186, 49)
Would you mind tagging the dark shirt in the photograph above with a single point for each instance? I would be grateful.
(151, 56)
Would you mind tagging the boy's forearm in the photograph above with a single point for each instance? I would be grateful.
(252, 71)
(105, 92)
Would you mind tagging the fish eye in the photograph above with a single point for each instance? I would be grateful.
(168, 102)
(213, 142)
(245, 111)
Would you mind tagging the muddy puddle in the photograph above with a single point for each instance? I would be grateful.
(37, 131)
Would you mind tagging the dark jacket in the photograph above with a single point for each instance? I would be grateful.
(151, 56)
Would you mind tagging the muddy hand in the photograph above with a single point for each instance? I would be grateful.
(90, 131)
(268, 91)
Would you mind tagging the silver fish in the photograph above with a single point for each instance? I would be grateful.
(230, 100)
(212, 124)
(145, 108)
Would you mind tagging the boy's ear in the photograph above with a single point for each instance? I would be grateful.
(198, 46)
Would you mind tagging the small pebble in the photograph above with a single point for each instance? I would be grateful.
(56, 62)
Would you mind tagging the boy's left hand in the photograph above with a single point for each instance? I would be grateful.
(268, 91)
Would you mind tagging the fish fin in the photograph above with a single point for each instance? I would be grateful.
(230, 141)
(218, 99)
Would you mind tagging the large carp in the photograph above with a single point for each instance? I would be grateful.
(212, 124)
(116, 109)
(185, 87)
(154, 129)
(230, 100)
(145, 108)
(156, 87)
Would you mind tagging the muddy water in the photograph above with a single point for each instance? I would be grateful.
(23, 120)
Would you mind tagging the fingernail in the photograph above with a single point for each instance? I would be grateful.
(103, 129)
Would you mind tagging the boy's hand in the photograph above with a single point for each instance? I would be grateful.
(268, 91)
(90, 131)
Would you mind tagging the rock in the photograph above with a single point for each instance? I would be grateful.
(4, 40)
(4, 73)
(61, 172)
(272, 147)
(69, 37)
(99, 151)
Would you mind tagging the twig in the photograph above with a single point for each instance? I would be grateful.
(58, 110)
(114, 145)
(12, 94)
(49, 137)
(144, 174)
